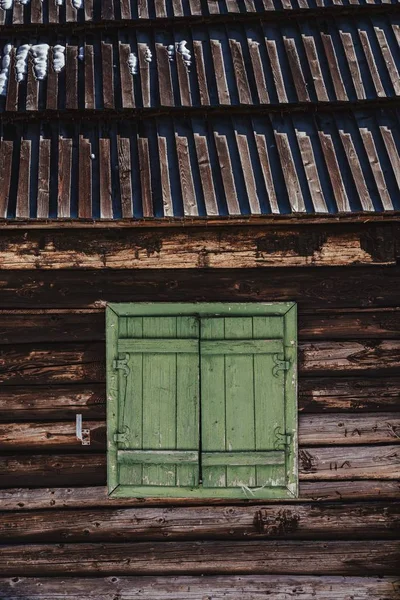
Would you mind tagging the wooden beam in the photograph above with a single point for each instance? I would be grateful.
(278, 587)
(213, 557)
(240, 248)
(300, 521)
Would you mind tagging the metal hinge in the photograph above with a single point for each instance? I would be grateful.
(122, 437)
(280, 364)
(83, 435)
(122, 363)
(283, 440)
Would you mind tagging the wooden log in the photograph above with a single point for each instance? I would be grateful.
(329, 463)
(315, 430)
(317, 394)
(224, 247)
(278, 587)
(361, 356)
(49, 364)
(211, 557)
(63, 325)
(323, 287)
(42, 470)
(43, 403)
(27, 499)
(301, 521)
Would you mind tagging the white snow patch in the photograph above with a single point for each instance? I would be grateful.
(5, 68)
(77, 4)
(21, 63)
(40, 53)
(81, 53)
(58, 58)
(184, 50)
(171, 52)
(148, 57)
(24, 1)
(60, 2)
(6, 4)
(133, 63)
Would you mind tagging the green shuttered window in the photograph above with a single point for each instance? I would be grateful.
(201, 400)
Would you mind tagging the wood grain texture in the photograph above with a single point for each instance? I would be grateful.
(196, 588)
(300, 521)
(172, 558)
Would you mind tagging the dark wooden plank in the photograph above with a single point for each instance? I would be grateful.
(280, 587)
(88, 8)
(143, 9)
(183, 78)
(53, 11)
(195, 7)
(310, 168)
(219, 70)
(36, 11)
(51, 436)
(145, 176)
(18, 13)
(32, 86)
(239, 69)
(248, 174)
(370, 148)
(43, 197)
(71, 12)
(349, 324)
(353, 62)
(389, 60)
(187, 186)
(331, 57)
(201, 72)
(23, 208)
(106, 196)
(165, 181)
(107, 10)
(227, 174)
(161, 10)
(125, 175)
(49, 364)
(258, 71)
(85, 178)
(71, 69)
(12, 87)
(164, 76)
(289, 172)
(371, 63)
(203, 160)
(299, 521)
(357, 171)
(267, 173)
(125, 9)
(52, 83)
(391, 148)
(127, 90)
(108, 74)
(89, 77)
(48, 470)
(93, 498)
(6, 152)
(64, 177)
(253, 557)
(315, 68)
(144, 70)
(36, 403)
(295, 67)
(177, 8)
(339, 190)
(276, 70)
(316, 288)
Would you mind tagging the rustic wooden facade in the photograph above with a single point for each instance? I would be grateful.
(268, 171)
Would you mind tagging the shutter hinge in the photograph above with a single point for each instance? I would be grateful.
(122, 437)
(122, 363)
(282, 440)
(280, 364)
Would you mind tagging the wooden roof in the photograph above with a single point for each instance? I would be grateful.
(195, 108)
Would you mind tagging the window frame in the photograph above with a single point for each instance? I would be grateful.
(286, 310)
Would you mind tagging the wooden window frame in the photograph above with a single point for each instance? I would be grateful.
(286, 310)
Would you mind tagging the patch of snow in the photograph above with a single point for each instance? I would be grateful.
(171, 52)
(5, 68)
(24, 1)
(77, 4)
(148, 57)
(58, 58)
(21, 62)
(81, 53)
(40, 53)
(60, 2)
(133, 63)
(6, 4)
(184, 50)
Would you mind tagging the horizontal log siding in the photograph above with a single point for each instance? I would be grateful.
(55, 516)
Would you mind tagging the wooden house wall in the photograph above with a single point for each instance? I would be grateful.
(63, 538)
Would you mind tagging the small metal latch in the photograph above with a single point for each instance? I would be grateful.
(280, 364)
(122, 437)
(82, 434)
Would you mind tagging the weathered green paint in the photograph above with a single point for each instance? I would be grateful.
(248, 400)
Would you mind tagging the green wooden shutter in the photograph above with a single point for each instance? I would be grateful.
(244, 439)
(157, 437)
